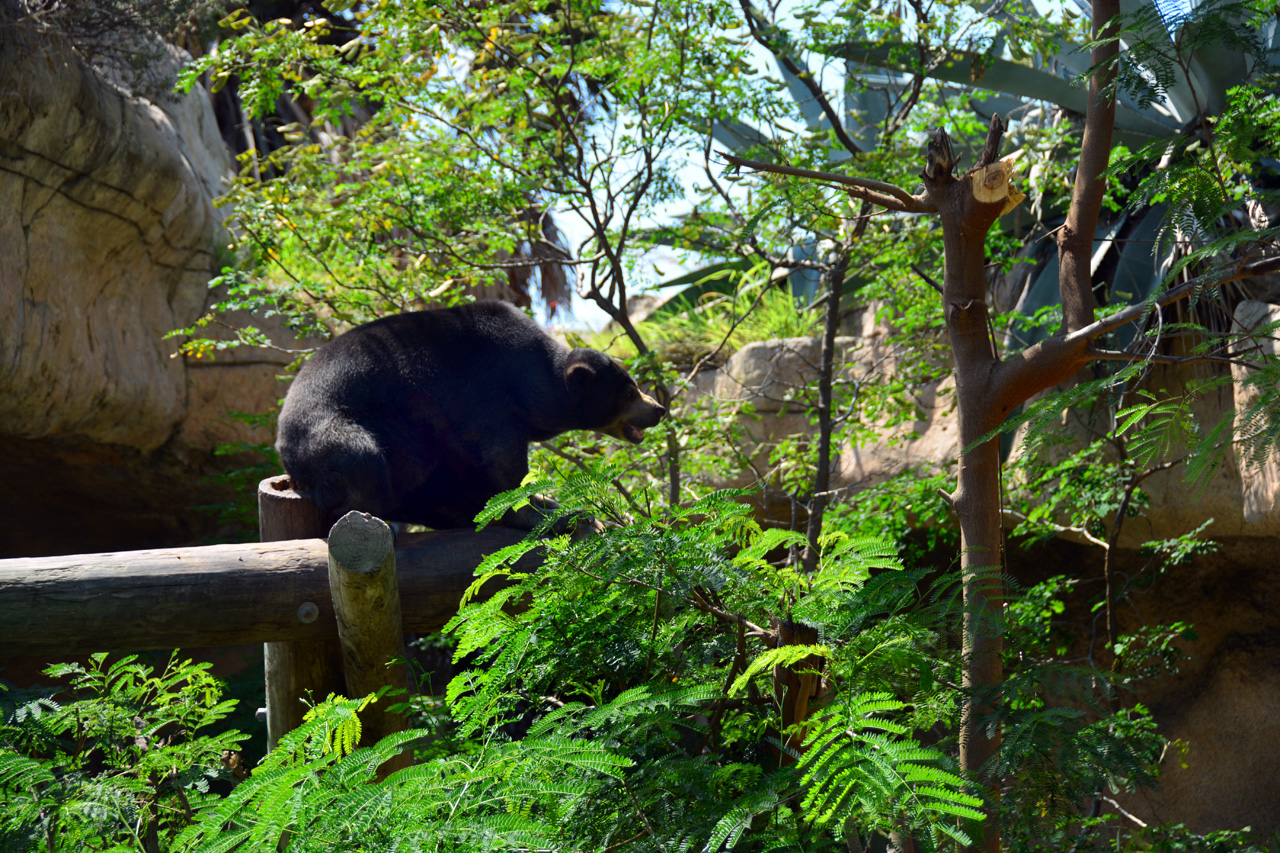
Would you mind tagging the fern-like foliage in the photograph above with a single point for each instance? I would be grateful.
(647, 642)
(1156, 428)
(120, 757)
(857, 760)
(633, 694)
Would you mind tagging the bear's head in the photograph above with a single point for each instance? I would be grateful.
(607, 398)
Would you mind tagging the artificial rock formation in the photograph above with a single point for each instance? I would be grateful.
(772, 381)
(1260, 478)
(108, 239)
(769, 378)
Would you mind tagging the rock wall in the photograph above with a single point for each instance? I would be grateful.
(108, 239)
(1260, 475)
(772, 381)
(768, 379)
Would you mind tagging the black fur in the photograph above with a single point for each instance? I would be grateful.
(422, 417)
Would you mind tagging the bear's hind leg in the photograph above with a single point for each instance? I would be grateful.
(351, 473)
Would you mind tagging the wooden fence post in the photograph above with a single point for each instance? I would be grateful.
(366, 602)
(294, 670)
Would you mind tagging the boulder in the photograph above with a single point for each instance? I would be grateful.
(775, 375)
(107, 238)
(771, 384)
(769, 379)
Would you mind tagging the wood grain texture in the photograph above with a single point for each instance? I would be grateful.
(366, 599)
(218, 594)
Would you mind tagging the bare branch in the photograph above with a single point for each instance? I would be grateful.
(1122, 811)
(876, 192)
(1156, 358)
(1020, 375)
(1214, 278)
(1081, 531)
(752, 630)
(763, 32)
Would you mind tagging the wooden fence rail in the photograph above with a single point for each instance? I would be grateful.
(280, 592)
(218, 595)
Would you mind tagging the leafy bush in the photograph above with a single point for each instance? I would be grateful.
(118, 759)
(673, 683)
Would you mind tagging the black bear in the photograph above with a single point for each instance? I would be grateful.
(422, 417)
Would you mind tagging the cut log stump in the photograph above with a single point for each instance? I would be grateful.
(366, 602)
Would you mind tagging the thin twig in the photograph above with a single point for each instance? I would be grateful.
(745, 314)
(1157, 358)
(625, 843)
(928, 279)
(1122, 811)
(640, 812)
(753, 629)
(1214, 278)
(758, 25)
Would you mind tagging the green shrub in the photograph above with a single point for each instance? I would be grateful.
(117, 759)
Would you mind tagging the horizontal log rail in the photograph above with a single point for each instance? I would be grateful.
(219, 595)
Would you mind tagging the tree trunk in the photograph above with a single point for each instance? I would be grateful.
(986, 389)
(976, 501)
(822, 476)
(1075, 241)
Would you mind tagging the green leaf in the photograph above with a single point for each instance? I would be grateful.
(781, 656)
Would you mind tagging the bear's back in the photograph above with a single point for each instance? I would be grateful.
(441, 352)
(424, 416)
(426, 377)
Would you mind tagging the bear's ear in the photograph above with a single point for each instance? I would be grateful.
(578, 377)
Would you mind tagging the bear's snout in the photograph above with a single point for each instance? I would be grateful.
(640, 414)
